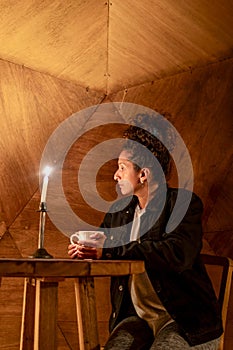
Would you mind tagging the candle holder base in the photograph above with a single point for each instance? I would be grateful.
(41, 253)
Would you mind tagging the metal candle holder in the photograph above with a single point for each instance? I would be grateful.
(41, 252)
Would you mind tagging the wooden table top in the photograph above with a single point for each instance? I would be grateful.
(31, 267)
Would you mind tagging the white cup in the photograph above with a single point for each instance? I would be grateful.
(84, 236)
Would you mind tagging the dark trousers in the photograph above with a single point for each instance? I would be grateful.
(133, 333)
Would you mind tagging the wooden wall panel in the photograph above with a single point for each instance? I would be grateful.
(218, 227)
(31, 106)
(10, 332)
(221, 194)
(25, 230)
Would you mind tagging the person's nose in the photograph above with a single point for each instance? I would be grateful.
(116, 176)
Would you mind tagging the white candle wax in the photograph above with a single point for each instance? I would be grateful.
(44, 189)
(47, 172)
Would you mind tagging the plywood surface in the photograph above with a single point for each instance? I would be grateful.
(162, 38)
(109, 45)
(64, 39)
(32, 105)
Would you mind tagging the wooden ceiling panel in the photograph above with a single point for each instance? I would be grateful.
(110, 45)
(154, 39)
(66, 39)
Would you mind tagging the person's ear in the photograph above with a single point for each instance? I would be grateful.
(144, 175)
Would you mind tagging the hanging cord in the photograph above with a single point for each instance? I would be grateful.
(123, 98)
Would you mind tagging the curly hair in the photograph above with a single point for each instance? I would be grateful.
(154, 133)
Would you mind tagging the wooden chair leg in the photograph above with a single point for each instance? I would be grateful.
(226, 299)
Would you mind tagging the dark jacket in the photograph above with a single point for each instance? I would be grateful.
(172, 261)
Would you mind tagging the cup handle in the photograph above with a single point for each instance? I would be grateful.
(74, 235)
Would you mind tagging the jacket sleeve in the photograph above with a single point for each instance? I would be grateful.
(176, 250)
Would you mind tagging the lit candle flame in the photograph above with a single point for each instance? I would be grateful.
(47, 170)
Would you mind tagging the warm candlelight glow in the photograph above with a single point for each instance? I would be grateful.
(47, 172)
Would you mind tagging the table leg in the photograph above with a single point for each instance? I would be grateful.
(86, 314)
(39, 322)
(28, 317)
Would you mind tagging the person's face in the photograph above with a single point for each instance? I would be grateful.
(127, 177)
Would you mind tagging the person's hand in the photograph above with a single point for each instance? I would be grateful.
(81, 251)
(73, 250)
(91, 249)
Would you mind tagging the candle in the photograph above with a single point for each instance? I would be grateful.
(46, 171)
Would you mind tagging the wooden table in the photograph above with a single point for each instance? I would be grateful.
(42, 276)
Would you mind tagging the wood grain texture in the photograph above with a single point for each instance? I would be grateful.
(46, 315)
(10, 332)
(67, 320)
(111, 45)
(53, 269)
(11, 296)
(64, 39)
(103, 305)
(28, 315)
(8, 248)
(221, 241)
(162, 38)
(2, 228)
(25, 232)
(221, 194)
(67, 335)
(32, 105)
(86, 314)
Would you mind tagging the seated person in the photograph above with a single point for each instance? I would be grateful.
(172, 305)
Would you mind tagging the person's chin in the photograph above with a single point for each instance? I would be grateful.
(126, 191)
